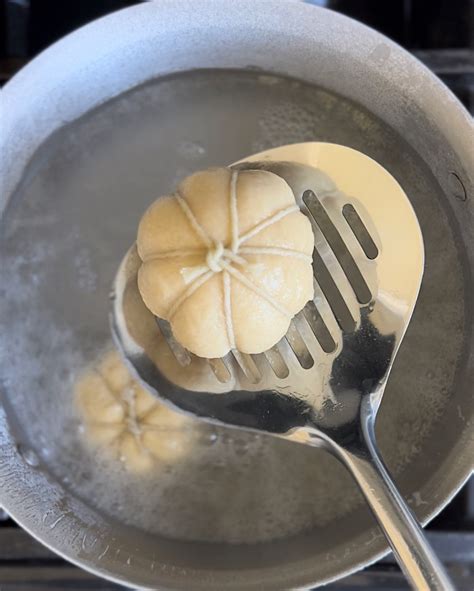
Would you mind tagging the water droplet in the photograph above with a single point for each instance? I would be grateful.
(30, 457)
(210, 439)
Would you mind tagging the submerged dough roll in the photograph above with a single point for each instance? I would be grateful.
(127, 422)
(226, 260)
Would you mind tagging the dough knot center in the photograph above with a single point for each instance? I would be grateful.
(215, 256)
(218, 258)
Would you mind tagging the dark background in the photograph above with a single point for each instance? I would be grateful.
(416, 24)
(440, 33)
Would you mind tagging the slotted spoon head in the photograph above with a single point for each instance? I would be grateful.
(368, 264)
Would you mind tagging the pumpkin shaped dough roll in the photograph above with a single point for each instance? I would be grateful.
(226, 260)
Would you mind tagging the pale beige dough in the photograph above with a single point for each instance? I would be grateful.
(226, 260)
(125, 421)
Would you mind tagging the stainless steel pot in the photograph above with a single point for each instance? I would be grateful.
(348, 84)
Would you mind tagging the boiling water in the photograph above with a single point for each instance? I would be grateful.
(63, 235)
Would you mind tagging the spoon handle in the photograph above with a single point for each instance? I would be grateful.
(409, 544)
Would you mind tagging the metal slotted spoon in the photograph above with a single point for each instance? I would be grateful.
(322, 385)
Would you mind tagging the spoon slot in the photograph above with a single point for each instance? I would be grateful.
(338, 246)
(248, 366)
(277, 363)
(332, 294)
(317, 325)
(220, 370)
(359, 230)
(183, 356)
(297, 344)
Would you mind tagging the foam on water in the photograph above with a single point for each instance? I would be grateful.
(63, 235)
(239, 489)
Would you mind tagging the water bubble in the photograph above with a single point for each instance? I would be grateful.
(226, 438)
(191, 150)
